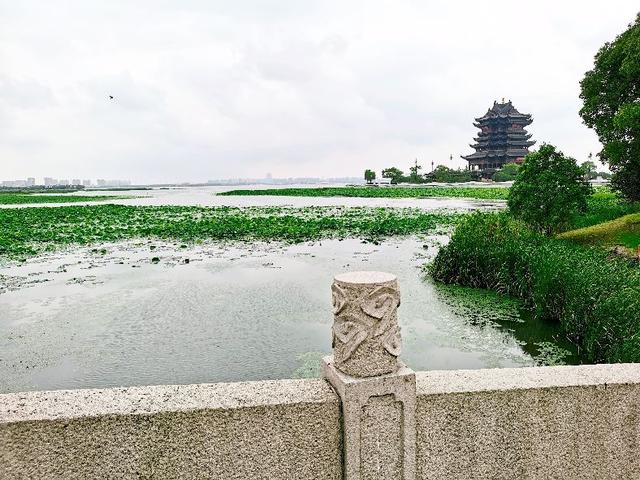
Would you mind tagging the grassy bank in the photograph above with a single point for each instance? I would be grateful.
(624, 231)
(604, 206)
(595, 298)
(28, 231)
(483, 193)
(32, 198)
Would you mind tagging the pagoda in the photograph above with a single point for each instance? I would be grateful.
(502, 138)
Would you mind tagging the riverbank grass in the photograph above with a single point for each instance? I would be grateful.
(596, 298)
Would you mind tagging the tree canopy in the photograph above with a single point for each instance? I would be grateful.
(507, 173)
(549, 190)
(445, 174)
(395, 174)
(369, 175)
(611, 96)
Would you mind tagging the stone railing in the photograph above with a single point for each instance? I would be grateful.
(373, 419)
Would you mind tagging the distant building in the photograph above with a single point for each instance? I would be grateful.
(502, 138)
(50, 182)
(14, 183)
(31, 182)
(86, 183)
(382, 181)
(101, 183)
(76, 181)
(63, 182)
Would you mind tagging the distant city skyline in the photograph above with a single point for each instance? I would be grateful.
(62, 182)
(300, 89)
(267, 179)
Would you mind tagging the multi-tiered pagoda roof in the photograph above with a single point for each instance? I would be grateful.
(502, 138)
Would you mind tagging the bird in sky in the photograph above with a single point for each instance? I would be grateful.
(110, 97)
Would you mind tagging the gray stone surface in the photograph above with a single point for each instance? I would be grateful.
(287, 429)
(377, 391)
(366, 335)
(534, 423)
(378, 423)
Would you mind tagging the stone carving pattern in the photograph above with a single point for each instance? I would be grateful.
(379, 320)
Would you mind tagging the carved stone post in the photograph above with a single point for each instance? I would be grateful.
(378, 392)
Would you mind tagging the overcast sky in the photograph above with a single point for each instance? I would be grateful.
(217, 89)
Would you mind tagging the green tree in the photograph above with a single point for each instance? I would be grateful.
(445, 174)
(507, 173)
(369, 175)
(589, 170)
(414, 176)
(549, 190)
(395, 174)
(611, 96)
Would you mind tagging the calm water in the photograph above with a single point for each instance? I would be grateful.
(236, 312)
(206, 196)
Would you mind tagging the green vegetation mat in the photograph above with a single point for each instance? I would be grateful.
(28, 231)
(594, 296)
(483, 193)
(20, 198)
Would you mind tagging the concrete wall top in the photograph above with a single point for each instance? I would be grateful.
(69, 404)
(467, 381)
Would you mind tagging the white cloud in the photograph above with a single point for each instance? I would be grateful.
(319, 88)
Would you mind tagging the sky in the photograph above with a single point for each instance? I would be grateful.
(208, 89)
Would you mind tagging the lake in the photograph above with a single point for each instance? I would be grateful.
(150, 312)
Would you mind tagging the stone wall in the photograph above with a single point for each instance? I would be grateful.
(535, 423)
(253, 430)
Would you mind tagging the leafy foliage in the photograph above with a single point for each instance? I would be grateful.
(445, 174)
(611, 96)
(594, 297)
(507, 173)
(487, 193)
(414, 176)
(395, 174)
(24, 198)
(549, 190)
(589, 170)
(603, 206)
(28, 231)
(369, 175)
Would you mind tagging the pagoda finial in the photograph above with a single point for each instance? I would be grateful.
(502, 99)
